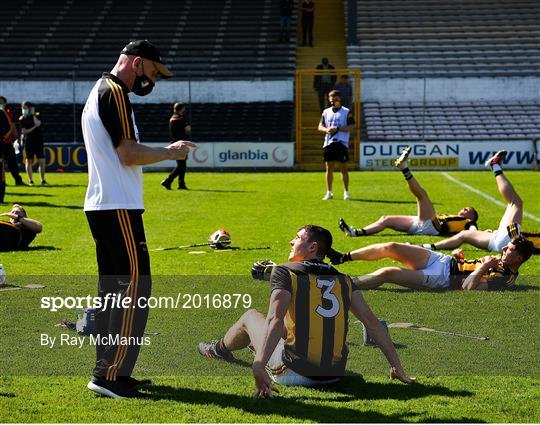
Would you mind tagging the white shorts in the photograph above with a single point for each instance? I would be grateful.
(437, 272)
(420, 227)
(281, 374)
(500, 239)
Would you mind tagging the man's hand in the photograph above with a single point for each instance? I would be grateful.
(262, 269)
(332, 130)
(458, 254)
(180, 149)
(400, 374)
(262, 382)
(489, 261)
(10, 215)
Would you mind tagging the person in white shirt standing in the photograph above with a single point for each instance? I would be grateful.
(336, 122)
(114, 207)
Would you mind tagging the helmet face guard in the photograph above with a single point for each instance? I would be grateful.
(219, 239)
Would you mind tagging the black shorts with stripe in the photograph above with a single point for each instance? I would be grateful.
(336, 151)
(124, 268)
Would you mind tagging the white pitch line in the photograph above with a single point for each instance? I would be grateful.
(489, 198)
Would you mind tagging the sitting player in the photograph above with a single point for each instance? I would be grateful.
(433, 270)
(19, 232)
(426, 221)
(509, 225)
(302, 340)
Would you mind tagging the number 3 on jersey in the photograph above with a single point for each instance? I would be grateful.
(328, 285)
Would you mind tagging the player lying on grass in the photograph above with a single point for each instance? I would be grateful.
(302, 340)
(433, 270)
(426, 221)
(19, 232)
(509, 225)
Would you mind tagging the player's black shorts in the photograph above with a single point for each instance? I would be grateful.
(34, 149)
(336, 151)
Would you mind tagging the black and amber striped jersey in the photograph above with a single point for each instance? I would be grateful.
(15, 236)
(107, 119)
(451, 224)
(317, 317)
(534, 237)
(497, 278)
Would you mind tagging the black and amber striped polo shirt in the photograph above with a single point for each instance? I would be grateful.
(451, 224)
(497, 278)
(317, 317)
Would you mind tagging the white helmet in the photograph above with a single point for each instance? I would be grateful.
(219, 239)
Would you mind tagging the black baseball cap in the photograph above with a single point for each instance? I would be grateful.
(147, 50)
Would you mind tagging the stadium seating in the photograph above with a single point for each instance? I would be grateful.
(233, 122)
(80, 39)
(434, 38)
(437, 121)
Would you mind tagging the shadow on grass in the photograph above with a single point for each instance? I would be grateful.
(384, 201)
(7, 395)
(65, 185)
(43, 248)
(48, 204)
(294, 407)
(222, 190)
(11, 194)
(358, 389)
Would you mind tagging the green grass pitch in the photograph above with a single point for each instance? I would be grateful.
(460, 380)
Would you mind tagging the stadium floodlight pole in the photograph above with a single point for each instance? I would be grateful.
(424, 329)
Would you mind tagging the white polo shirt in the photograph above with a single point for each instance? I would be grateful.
(108, 118)
(339, 118)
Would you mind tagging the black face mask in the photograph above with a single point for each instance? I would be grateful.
(142, 85)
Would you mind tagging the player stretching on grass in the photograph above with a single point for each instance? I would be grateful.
(302, 340)
(509, 225)
(432, 270)
(426, 222)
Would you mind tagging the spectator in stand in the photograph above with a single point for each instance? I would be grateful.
(324, 84)
(285, 13)
(345, 90)
(179, 129)
(307, 9)
(30, 122)
(6, 148)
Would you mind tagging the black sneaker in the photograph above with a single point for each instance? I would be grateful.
(44, 183)
(182, 186)
(348, 230)
(209, 349)
(133, 382)
(336, 257)
(113, 389)
(166, 184)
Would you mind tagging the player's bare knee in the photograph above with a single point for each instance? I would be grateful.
(383, 220)
(390, 246)
(517, 202)
(388, 272)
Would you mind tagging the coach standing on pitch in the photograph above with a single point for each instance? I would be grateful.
(114, 208)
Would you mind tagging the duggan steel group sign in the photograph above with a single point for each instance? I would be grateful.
(446, 155)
